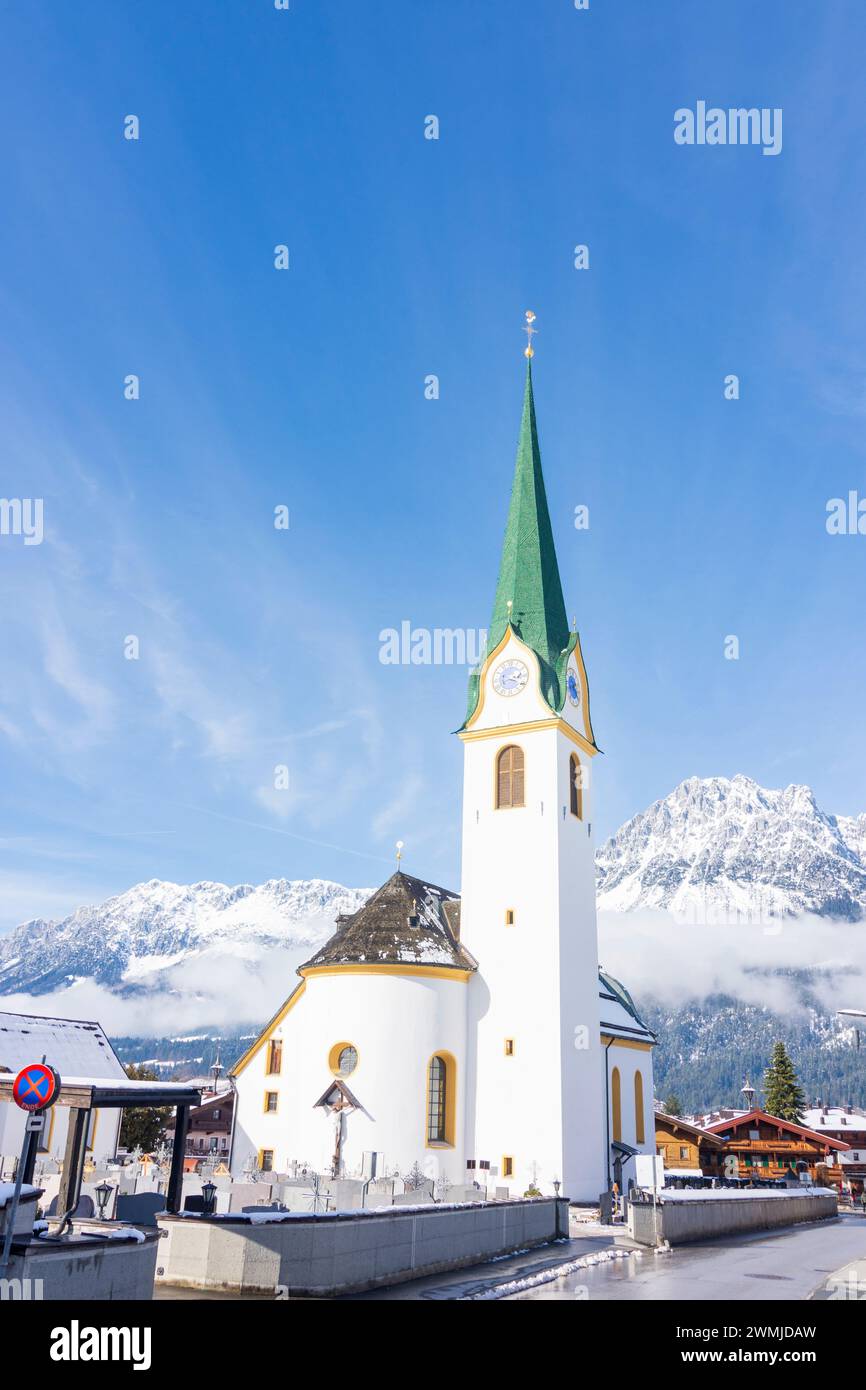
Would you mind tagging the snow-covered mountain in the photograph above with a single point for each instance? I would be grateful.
(135, 940)
(715, 848)
(711, 849)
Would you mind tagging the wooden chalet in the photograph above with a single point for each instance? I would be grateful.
(686, 1148)
(767, 1147)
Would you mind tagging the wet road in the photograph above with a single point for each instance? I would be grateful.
(795, 1263)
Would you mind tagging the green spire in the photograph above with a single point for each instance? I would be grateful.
(528, 571)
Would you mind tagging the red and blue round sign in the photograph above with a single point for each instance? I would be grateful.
(36, 1087)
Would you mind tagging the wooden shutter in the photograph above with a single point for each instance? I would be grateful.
(516, 776)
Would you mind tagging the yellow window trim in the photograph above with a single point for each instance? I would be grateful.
(334, 1057)
(450, 1100)
(271, 1070)
(616, 1105)
(509, 1047)
(266, 1108)
(573, 759)
(639, 1128)
(261, 1157)
(509, 917)
(508, 1165)
(90, 1145)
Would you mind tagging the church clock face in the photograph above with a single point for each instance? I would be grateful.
(510, 677)
(573, 688)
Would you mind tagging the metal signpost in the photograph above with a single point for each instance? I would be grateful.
(35, 1090)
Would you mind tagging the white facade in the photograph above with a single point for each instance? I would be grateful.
(396, 1023)
(528, 915)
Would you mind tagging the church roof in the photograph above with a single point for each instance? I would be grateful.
(407, 921)
(619, 1016)
(528, 570)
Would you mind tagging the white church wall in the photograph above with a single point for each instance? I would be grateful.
(629, 1061)
(397, 1022)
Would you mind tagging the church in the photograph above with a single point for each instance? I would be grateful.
(474, 1034)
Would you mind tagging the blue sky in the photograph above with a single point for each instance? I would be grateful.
(305, 388)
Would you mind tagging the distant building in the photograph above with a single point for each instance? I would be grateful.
(685, 1147)
(848, 1124)
(210, 1127)
(767, 1147)
(76, 1049)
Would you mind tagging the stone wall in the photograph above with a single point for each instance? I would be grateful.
(343, 1252)
(701, 1218)
(79, 1269)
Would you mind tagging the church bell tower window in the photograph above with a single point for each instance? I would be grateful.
(575, 779)
(509, 777)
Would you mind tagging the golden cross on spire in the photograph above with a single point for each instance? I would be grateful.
(529, 331)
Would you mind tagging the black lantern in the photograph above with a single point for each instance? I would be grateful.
(208, 1193)
(103, 1192)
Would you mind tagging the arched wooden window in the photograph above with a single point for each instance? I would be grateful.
(575, 779)
(437, 1096)
(616, 1105)
(638, 1107)
(441, 1109)
(509, 777)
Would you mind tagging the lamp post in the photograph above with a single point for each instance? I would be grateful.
(208, 1193)
(103, 1192)
(855, 1018)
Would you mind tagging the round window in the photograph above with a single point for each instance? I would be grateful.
(347, 1061)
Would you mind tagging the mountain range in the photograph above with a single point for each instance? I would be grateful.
(719, 850)
(714, 851)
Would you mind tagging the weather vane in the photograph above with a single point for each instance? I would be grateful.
(399, 849)
(529, 331)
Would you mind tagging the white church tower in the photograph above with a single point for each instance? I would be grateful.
(535, 1070)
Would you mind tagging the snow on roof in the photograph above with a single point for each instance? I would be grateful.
(7, 1190)
(70, 1045)
(834, 1117)
(739, 1194)
(123, 1083)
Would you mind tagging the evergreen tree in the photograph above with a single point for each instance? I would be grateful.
(142, 1125)
(672, 1105)
(783, 1094)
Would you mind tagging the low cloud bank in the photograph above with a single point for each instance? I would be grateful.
(653, 954)
(657, 956)
(211, 989)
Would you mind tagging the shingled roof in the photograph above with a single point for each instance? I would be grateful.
(406, 922)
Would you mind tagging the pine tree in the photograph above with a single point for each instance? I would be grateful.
(672, 1105)
(142, 1125)
(783, 1095)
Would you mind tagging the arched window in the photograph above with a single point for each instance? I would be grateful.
(509, 777)
(638, 1107)
(441, 1087)
(616, 1105)
(575, 779)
